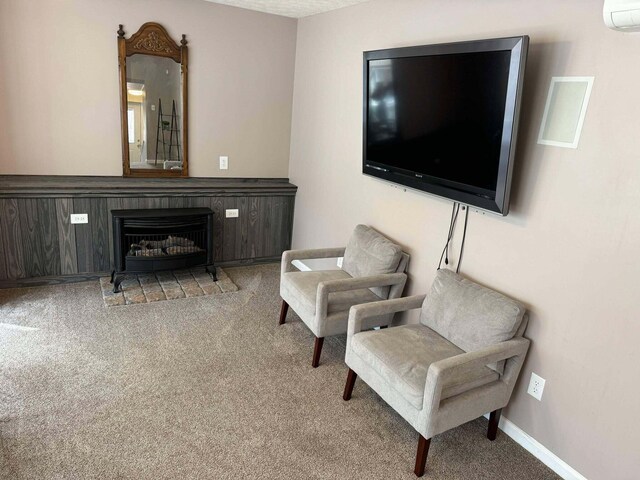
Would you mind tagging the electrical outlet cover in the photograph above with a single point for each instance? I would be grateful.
(79, 218)
(536, 386)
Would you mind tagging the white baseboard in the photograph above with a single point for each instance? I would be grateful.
(539, 451)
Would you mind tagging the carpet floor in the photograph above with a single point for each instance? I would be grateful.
(203, 388)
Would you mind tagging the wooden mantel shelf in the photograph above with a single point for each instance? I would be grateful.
(34, 186)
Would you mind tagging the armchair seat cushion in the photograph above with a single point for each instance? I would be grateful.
(303, 287)
(402, 356)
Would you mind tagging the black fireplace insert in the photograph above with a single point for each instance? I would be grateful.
(152, 240)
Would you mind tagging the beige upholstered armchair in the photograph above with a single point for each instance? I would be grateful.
(373, 269)
(460, 362)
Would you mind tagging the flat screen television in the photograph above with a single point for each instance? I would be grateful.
(443, 118)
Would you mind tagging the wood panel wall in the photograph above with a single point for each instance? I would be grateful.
(38, 243)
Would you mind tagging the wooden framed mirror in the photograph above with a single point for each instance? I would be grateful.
(153, 103)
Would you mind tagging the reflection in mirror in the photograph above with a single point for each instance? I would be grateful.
(153, 102)
(154, 112)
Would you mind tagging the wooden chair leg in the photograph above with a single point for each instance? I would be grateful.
(494, 420)
(421, 455)
(317, 350)
(348, 387)
(283, 312)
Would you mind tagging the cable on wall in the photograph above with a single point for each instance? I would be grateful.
(455, 210)
(452, 227)
(464, 236)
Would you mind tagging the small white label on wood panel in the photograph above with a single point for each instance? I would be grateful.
(231, 213)
(79, 218)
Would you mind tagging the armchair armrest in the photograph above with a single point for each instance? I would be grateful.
(290, 255)
(359, 313)
(356, 283)
(441, 372)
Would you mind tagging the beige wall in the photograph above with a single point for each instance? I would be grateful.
(569, 247)
(63, 54)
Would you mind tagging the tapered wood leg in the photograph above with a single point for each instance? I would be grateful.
(494, 420)
(283, 312)
(317, 350)
(348, 387)
(421, 455)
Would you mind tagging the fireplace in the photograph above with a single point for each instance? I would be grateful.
(152, 240)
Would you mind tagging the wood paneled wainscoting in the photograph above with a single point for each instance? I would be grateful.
(39, 245)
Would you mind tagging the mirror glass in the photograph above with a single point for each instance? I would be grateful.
(154, 113)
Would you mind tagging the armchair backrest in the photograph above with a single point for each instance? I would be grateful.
(470, 315)
(395, 291)
(371, 253)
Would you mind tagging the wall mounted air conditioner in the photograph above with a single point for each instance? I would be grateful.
(622, 15)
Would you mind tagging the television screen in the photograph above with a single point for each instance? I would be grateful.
(442, 118)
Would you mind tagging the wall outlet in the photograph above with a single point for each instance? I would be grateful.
(224, 162)
(79, 218)
(339, 262)
(536, 386)
(231, 213)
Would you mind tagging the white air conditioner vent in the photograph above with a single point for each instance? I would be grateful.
(622, 15)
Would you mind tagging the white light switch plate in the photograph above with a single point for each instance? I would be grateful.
(231, 213)
(224, 162)
(79, 218)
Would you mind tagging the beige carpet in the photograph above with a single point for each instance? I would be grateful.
(203, 388)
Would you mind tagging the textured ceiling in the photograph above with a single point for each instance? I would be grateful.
(290, 8)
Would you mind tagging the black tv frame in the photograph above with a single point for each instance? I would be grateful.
(455, 191)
